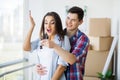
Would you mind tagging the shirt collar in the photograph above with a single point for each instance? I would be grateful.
(76, 35)
(57, 39)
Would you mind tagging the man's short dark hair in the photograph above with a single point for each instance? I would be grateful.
(77, 10)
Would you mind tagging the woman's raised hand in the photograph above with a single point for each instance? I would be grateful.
(31, 19)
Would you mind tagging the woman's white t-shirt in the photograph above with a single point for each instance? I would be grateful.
(49, 58)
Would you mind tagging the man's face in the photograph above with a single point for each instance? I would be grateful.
(72, 21)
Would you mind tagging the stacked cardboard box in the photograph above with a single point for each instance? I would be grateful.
(100, 33)
(95, 62)
(100, 41)
(100, 27)
(90, 78)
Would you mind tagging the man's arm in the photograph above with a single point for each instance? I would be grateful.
(66, 55)
(59, 72)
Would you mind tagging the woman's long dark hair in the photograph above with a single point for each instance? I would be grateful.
(58, 26)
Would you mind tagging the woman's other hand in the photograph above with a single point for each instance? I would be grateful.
(48, 43)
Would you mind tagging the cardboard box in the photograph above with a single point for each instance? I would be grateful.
(90, 47)
(90, 78)
(95, 62)
(101, 43)
(100, 27)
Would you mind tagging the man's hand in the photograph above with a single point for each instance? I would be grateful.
(41, 70)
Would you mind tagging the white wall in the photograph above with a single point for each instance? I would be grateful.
(117, 16)
(95, 8)
(116, 31)
(118, 63)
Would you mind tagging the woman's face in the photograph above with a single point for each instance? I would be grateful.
(50, 26)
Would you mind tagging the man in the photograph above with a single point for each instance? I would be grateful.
(79, 46)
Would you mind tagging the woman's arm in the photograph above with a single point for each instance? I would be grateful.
(59, 72)
(27, 44)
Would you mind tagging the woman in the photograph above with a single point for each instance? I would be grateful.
(51, 29)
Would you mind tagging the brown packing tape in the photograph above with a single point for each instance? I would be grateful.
(100, 43)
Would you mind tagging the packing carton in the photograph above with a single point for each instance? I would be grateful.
(95, 62)
(100, 27)
(90, 78)
(101, 43)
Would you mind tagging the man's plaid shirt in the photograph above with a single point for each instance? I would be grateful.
(79, 47)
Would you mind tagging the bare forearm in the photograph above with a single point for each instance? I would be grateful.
(67, 56)
(27, 42)
(59, 72)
